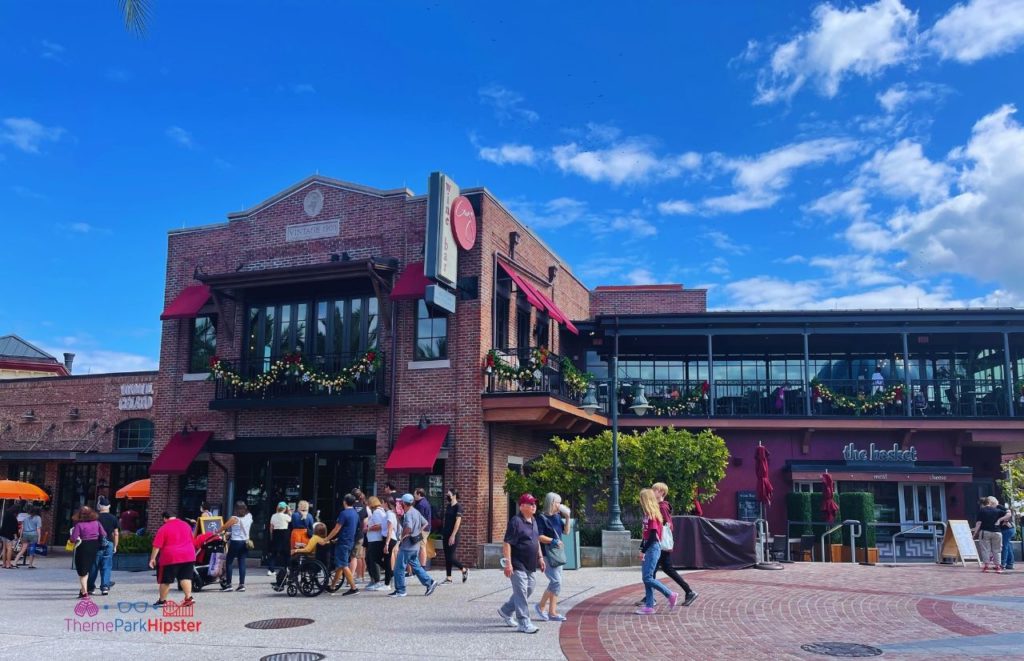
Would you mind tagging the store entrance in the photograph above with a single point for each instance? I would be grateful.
(77, 487)
(322, 478)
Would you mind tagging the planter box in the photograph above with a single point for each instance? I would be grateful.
(590, 556)
(131, 562)
(872, 554)
(839, 553)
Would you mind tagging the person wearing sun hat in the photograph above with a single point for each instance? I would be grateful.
(521, 557)
(279, 538)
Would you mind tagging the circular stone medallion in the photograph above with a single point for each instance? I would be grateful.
(313, 203)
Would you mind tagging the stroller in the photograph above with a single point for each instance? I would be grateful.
(209, 561)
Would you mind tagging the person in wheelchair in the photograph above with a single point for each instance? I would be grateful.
(299, 555)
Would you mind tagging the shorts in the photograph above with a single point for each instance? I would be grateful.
(29, 538)
(181, 571)
(6, 540)
(342, 555)
(554, 576)
(359, 550)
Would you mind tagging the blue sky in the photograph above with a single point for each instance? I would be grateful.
(783, 155)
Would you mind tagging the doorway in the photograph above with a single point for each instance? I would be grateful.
(76, 487)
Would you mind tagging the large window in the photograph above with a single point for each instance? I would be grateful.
(202, 343)
(33, 472)
(134, 434)
(431, 333)
(501, 320)
(334, 330)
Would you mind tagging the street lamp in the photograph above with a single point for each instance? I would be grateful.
(640, 405)
(590, 404)
(614, 510)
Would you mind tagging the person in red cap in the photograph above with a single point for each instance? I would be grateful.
(521, 558)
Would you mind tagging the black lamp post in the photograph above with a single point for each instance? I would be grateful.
(615, 511)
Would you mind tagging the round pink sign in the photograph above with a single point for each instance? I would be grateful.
(463, 220)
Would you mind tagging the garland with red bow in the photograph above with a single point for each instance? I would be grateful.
(859, 403)
(293, 364)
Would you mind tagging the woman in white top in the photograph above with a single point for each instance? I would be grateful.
(279, 538)
(376, 528)
(238, 544)
(390, 540)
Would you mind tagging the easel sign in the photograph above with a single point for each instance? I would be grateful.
(210, 524)
(958, 542)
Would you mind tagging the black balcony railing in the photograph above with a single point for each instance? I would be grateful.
(529, 370)
(323, 379)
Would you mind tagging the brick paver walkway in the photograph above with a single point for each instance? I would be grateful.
(909, 612)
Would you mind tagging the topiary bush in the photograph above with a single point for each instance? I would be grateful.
(798, 508)
(859, 505)
(128, 543)
(819, 520)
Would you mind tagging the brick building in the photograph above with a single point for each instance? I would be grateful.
(77, 437)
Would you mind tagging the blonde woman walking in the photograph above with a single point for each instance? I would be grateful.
(552, 524)
(650, 547)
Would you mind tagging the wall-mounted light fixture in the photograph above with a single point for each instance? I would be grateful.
(29, 415)
(552, 272)
(513, 240)
(424, 422)
(73, 413)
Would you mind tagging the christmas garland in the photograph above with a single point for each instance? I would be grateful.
(525, 375)
(575, 381)
(678, 403)
(293, 364)
(860, 403)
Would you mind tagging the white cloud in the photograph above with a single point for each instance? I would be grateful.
(978, 29)
(27, 134)
(99, 361)
(759, 181)
(641, 276)
(676, 208)
(82, 228)
(634, 225)
(900, 95)
(860, 41)
(978, 232)
(509, 154)
(507, 104)
(848, 202)
(722, 241)
(556, 213)
(904, 171)
(180, 136)
(630, 161)
(717, 266)
(52, 51)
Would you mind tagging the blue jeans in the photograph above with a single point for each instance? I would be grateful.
(1007, 549)
(102, 566)
(411, 558)
(651, 557)
(236, 549)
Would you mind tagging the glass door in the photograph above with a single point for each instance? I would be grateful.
(77, 488)
(920, 503)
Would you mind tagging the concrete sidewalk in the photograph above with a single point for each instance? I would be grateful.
(458, 621)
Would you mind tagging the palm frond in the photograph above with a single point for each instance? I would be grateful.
(136, 15)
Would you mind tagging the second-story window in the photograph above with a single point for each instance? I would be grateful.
(431, 333)
(332, 332)
(136, 434)
(202, 343)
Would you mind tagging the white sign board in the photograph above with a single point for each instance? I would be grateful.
(441, 263)
(136, 397)
(309, 231)
(958, 542)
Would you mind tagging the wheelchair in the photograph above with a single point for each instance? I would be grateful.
(305, 575)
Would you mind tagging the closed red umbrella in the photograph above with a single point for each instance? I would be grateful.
(697, 509)
(828, 500)
(764, 485)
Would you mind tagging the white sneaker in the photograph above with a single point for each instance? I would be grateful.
(270, 572)
(507, 619)
(527, 628)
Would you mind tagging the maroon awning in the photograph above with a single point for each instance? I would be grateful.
(556, 313)
(179, 453)
(524, 286)
(187, 304)
(411, 285)
(416, 449)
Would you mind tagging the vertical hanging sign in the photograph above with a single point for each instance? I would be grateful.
(441, 259)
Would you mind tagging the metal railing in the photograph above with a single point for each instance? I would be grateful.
(855, 532)
(289, 384)
(534, 375)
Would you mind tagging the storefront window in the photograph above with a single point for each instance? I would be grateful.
(202, 343)
(134, 434)
(192, 489)
(33, 473)
(431, 333)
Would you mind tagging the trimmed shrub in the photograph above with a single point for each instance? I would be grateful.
(798, 508)
(859, 505)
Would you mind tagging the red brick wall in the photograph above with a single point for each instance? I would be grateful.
(372, 225)
(647, 299)
(55, 430)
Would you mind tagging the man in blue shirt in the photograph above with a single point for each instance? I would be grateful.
(414, 529)
(345, 531)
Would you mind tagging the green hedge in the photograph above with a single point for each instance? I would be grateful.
(798, 508)
(859, 505)
(820, 526)
(129, 543)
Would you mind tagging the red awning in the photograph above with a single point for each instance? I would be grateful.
(416, 449)
(557, 314)
(179, 452)
(524, 286)
(411, 285)
(188, 303)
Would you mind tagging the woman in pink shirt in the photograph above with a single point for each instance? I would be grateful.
(86, 535)
(173, 542)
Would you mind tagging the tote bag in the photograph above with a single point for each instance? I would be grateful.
(667, 540)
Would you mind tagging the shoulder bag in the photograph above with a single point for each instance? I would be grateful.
(554, 555)
(667, 539)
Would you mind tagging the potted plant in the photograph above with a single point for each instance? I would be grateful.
(860, 506)
(133, 552)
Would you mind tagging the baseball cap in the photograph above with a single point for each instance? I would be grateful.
(408, 499)
(282, 504)
(527, 499)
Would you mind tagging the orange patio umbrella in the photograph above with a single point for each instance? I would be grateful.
(14, 490)
(138, 490)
